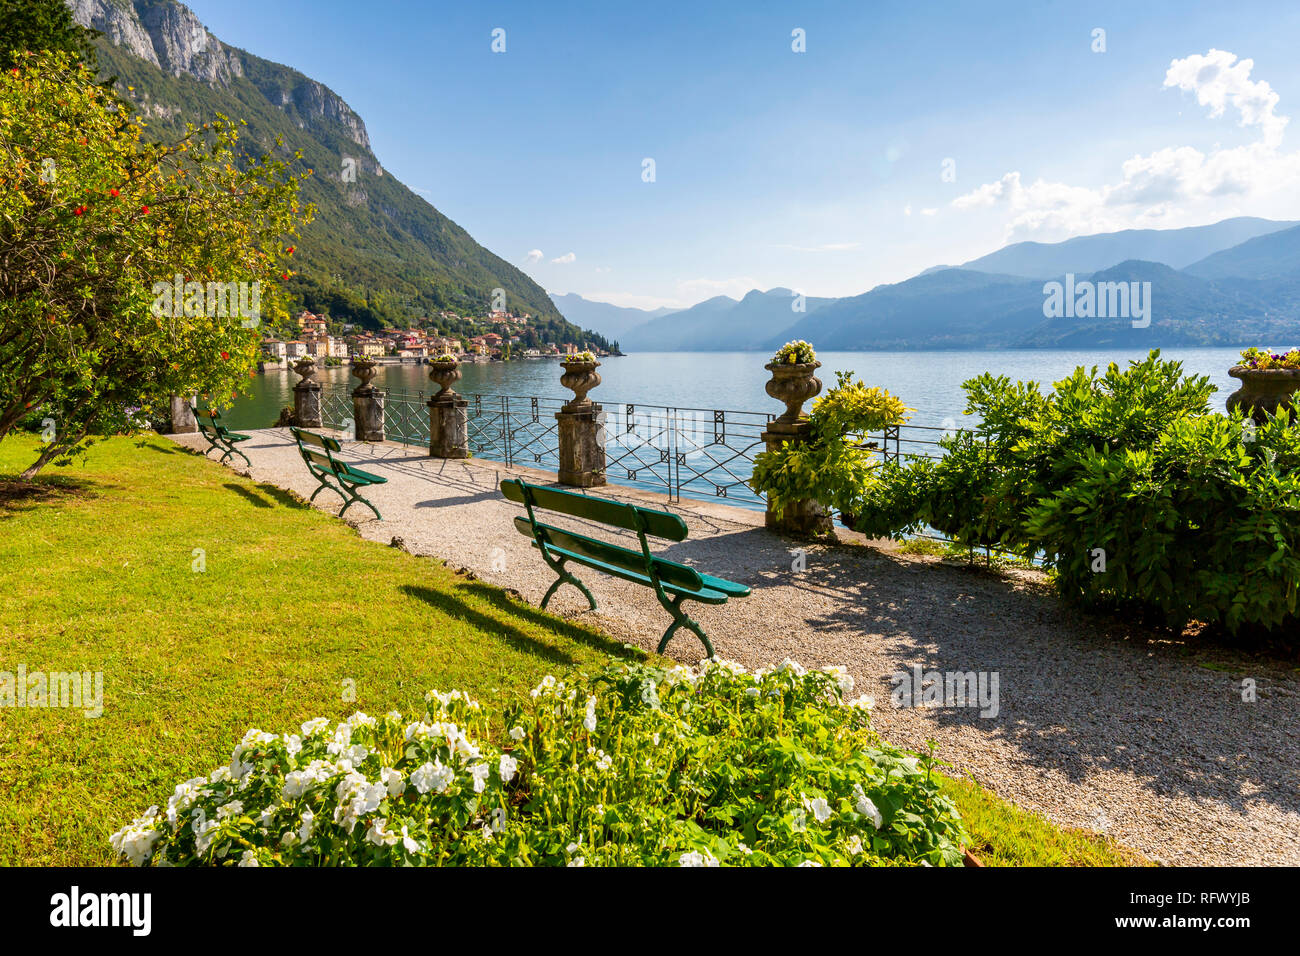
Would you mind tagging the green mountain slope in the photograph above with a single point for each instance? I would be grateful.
(377, 253)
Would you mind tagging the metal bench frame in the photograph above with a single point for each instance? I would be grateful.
(338, 476)
(220, 437)
(671, 582)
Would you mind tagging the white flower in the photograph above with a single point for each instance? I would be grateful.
(577, 861)
(603, 760)
(842, 677)
(432, 776)
(292, 744)
(793, 666)
(507, 767)
(393, 780)
(649, 694)
(695, 858)
(810, 863)
(868, 809)
(865, 702)
(135, 841)
(308, 821)
(589, 721)
(248, 859)
(854, 845)
(378, 833)
(821, 810)
(232, 809)
(314, 726)
(480, 774)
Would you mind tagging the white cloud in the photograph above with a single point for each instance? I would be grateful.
(1173, 186)
(565, 259)
(533, 256)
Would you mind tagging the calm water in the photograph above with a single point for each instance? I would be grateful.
(930, 382)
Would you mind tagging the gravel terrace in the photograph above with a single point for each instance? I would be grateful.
(1102, 725)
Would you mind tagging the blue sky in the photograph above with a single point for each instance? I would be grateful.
(820, 171)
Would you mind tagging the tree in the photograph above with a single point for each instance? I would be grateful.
(129, 270)
(38, 25)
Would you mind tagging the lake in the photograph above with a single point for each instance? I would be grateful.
(929, 382)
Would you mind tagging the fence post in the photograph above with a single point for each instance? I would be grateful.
(581, 435)
(306, 394)
(182, 415)
(448, 414)
(794, 385)
(367, 402)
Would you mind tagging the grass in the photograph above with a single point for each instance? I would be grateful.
(291, 611)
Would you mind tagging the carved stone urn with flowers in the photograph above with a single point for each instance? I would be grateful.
(580, 377)
(444, 371)
(793, 380)
(365, 369)
(306, 395)
(1269, 381)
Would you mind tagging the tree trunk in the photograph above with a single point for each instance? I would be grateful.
(52, 451)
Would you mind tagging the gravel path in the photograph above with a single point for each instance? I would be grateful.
(1101, 724)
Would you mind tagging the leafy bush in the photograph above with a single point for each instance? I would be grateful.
(830, 467)
(638, 766)
(1128, 487)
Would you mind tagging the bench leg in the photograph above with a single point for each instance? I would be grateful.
(232, 450)
(682, 619)
(566, 578)
(353, 498)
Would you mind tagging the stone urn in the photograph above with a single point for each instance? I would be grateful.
(1263, 391)
(580, 378)
(793, 385)
(364, 369)
(444, 373)
(306, 368)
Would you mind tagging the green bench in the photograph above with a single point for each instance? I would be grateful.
(219, 436)
(672, 583)
(338, 476)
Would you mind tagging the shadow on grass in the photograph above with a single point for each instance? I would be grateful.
(17, 496)
(270, 496)
(450, 603)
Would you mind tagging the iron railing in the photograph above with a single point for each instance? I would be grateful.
(679, 452)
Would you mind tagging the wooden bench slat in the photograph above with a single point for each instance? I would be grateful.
(585, 550)
(660, 524)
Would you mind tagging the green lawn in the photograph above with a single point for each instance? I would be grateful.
(98, 576)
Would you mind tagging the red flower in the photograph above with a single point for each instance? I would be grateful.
(285, 277)
(79, 210)
(290, 250)
(225, 356)
(145, 210)
(112, 192)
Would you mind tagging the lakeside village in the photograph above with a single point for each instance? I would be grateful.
(332, 343)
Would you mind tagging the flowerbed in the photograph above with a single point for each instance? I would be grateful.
(640, 765)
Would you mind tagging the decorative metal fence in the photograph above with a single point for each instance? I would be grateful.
(679, 452)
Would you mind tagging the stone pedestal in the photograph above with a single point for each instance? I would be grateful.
(582, 446)
(182, 416)
(805, 518)
(448, 428)
(306, 404)
(368, 411)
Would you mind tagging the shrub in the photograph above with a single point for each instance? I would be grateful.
(638, 766)
(831, 467)
(1191, 514)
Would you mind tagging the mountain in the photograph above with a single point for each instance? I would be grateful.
(1176, 248)
(962, 309)
(1271, 256)
(377, 253)
(611, 321)
(722, 323)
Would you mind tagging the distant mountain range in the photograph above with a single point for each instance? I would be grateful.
(1236, 282)
(377, 253)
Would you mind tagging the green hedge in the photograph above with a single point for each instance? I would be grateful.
(1132, 491)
